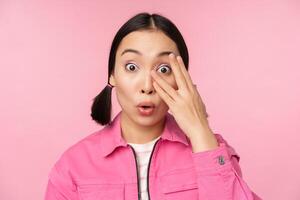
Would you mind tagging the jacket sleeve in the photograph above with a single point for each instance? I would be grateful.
(60, 185)
(219, 175)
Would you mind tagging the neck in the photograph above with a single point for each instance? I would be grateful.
(137, 133)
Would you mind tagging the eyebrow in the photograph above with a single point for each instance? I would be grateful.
(163, 53)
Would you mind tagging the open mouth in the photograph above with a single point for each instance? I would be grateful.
(146, 110)
(146, 107)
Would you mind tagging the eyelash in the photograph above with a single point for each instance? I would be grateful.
(159, 68)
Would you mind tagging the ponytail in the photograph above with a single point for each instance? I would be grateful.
(101, 108)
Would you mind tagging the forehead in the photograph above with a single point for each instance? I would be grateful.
(149, 43)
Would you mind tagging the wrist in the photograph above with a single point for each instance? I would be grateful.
(203, 141)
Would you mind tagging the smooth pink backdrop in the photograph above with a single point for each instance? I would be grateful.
(244, 57)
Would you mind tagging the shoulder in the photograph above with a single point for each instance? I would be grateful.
(61, 173)
(86, 146)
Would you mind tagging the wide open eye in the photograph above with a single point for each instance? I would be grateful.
(164, 69)
(130, 66)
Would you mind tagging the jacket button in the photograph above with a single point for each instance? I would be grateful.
(221, 160)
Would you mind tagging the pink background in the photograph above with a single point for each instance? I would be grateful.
(244, 57)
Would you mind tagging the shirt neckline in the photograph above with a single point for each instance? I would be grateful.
(145, 144)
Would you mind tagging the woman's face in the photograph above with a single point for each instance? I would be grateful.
(139, 53)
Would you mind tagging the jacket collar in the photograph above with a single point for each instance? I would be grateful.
(111, 136)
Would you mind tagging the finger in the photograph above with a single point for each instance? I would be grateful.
(163, 94)
(164, 85)
(177, 72)
(185, 73)
(205, 112)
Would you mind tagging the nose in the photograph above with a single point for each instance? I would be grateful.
(147, 85)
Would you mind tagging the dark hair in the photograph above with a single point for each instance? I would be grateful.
(101, 108)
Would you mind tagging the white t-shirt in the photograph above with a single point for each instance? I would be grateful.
(143, 152)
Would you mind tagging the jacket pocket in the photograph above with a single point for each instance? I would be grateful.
(180, 184)
(101, 191)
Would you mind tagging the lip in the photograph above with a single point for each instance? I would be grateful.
(146, 103)
(146, 111)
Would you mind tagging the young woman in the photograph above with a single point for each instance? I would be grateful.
(146, 152)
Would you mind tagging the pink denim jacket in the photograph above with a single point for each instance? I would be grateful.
(102, 166)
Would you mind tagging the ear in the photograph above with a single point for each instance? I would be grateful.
(112, 80)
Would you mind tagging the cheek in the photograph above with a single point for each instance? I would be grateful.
(175, 86)
(124, 97)
(123, 81)
(125, 90)
(171, 80)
